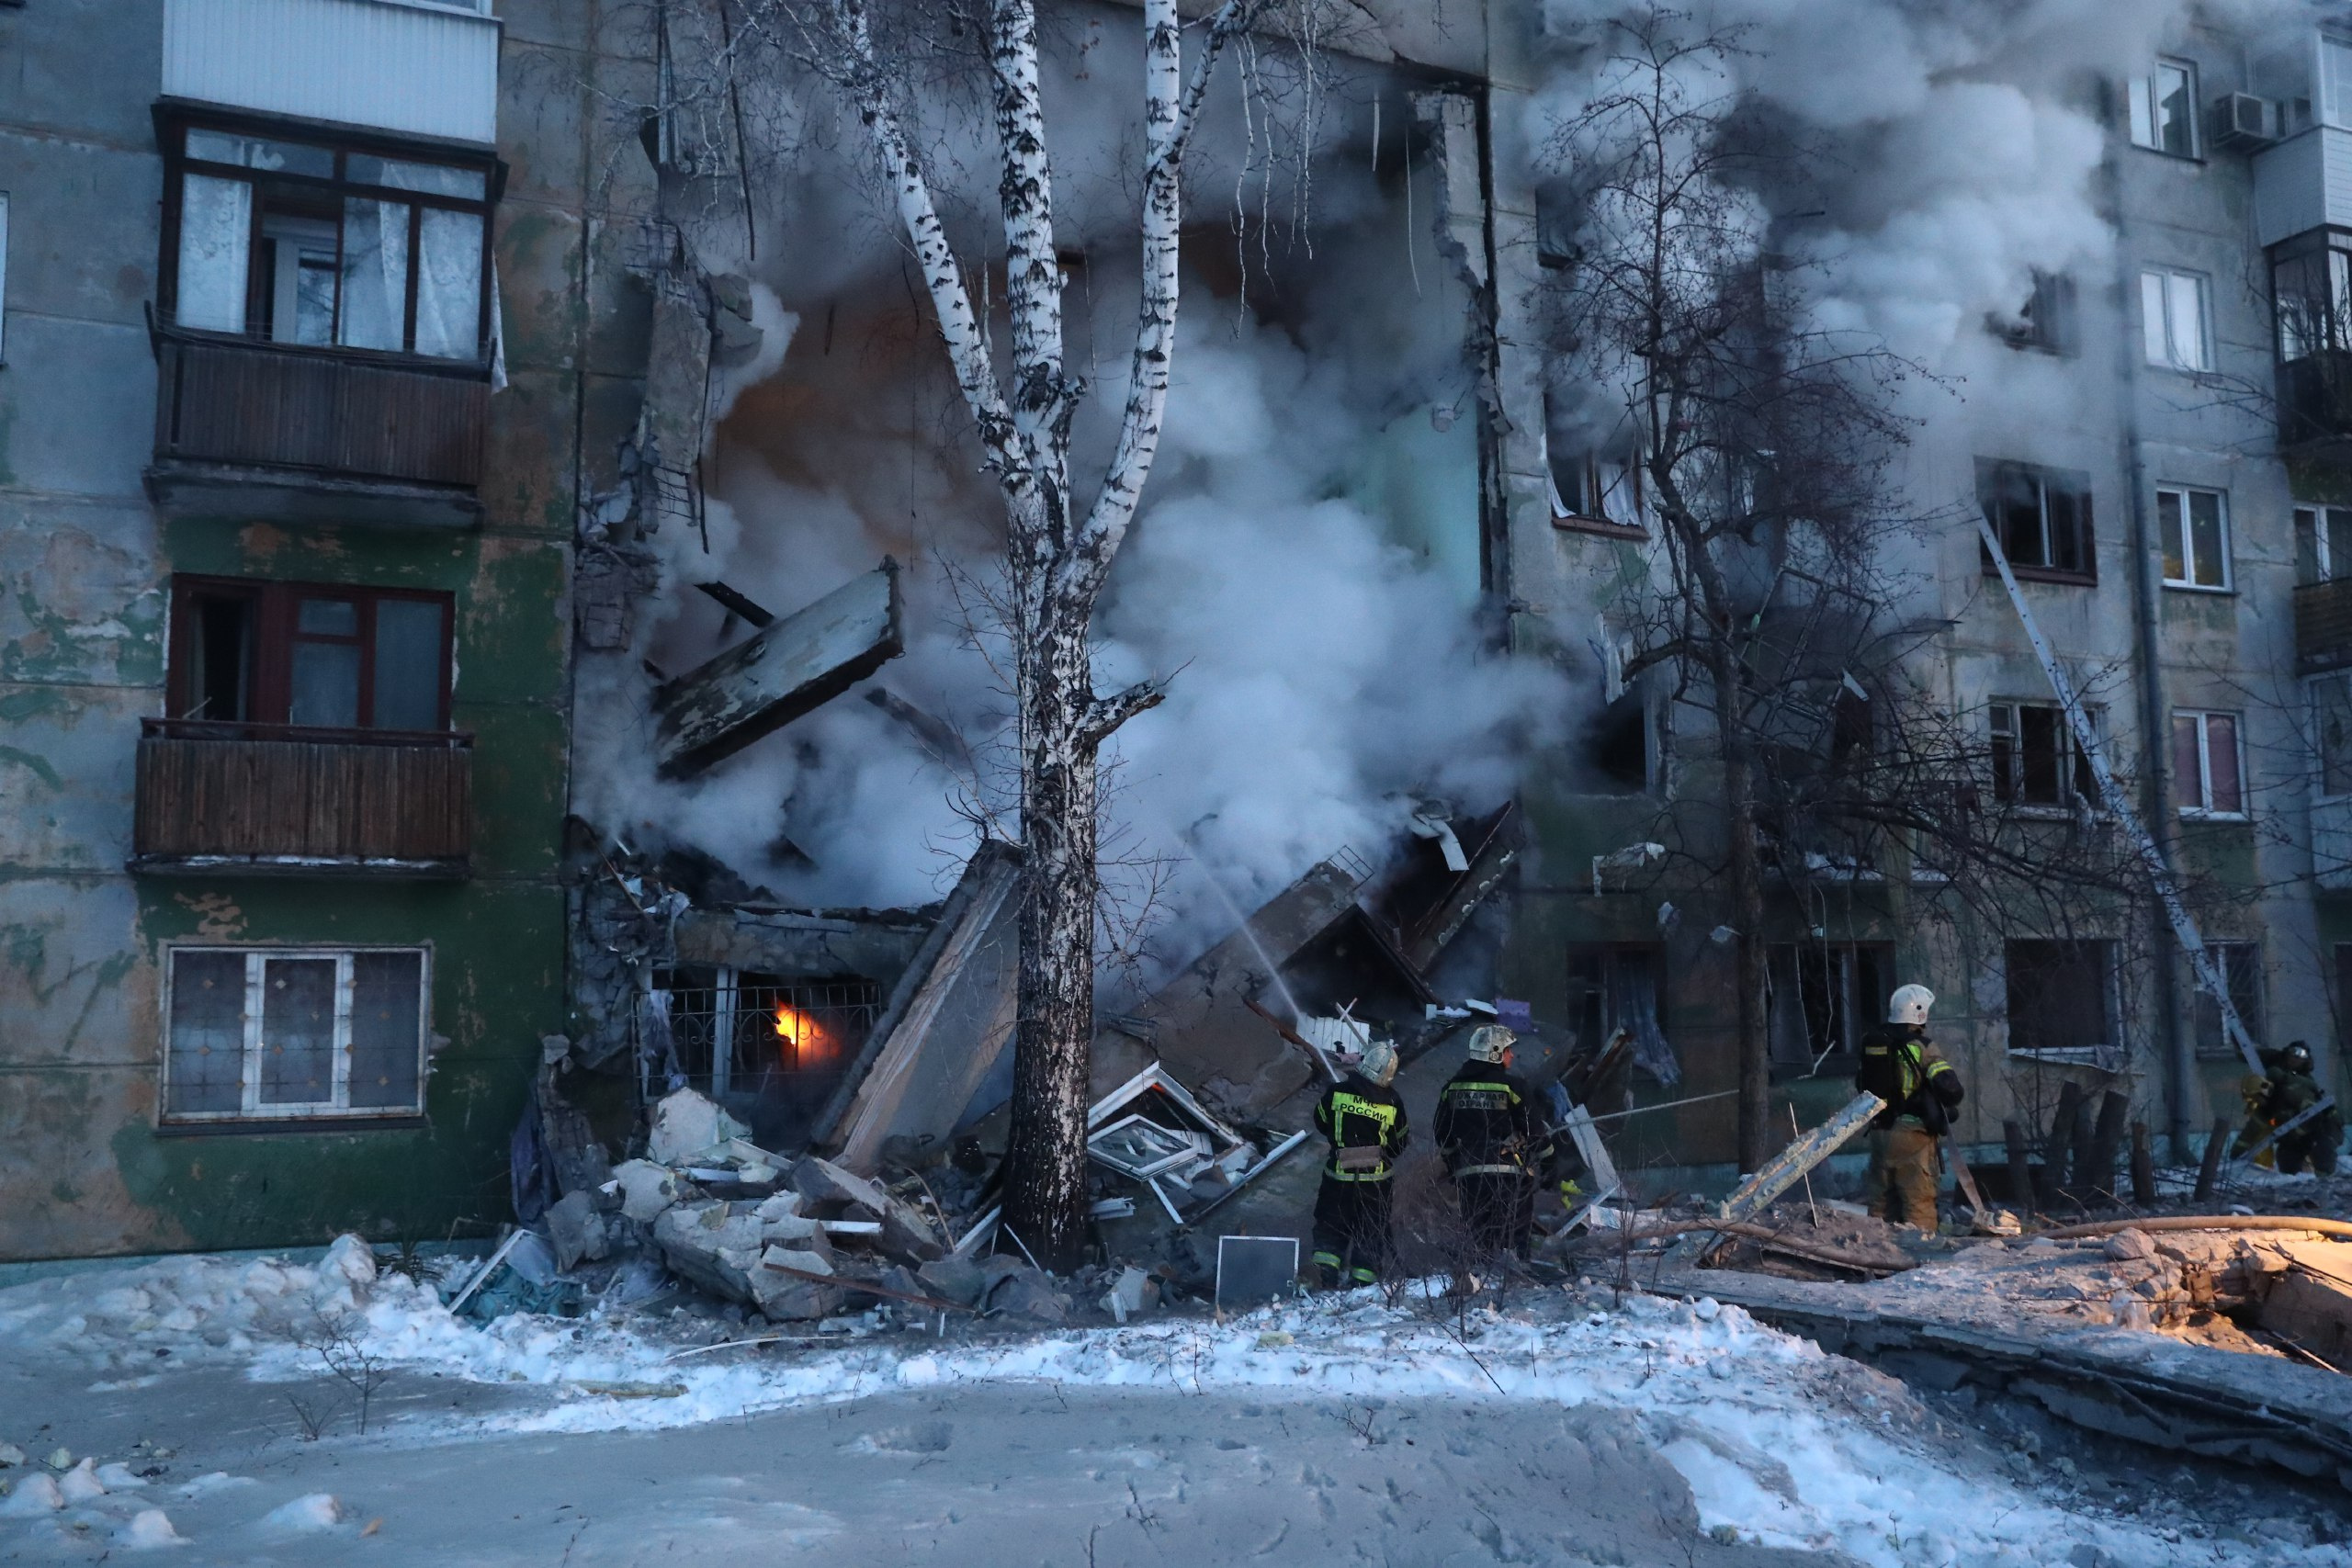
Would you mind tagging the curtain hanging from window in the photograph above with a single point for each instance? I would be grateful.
(375, 274)
(448, 284)
(216, 237)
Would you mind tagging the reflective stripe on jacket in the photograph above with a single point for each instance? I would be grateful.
(1365, 1123)
(1486, 1126)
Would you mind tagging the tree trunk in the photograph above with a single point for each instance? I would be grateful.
(1044, 1199)
(1755, 1097)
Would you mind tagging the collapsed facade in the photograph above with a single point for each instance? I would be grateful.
(563, 947)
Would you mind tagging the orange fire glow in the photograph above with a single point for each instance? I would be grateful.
(803, 1037)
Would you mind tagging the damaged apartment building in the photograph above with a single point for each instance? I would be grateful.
(456, 509)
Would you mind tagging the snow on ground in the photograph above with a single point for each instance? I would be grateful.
(1781, 1445)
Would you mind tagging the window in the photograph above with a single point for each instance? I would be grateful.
(2164, 109)
(2173, 319)
(1614, 986)
(282, 1033)
(2331, 733)
(303, 241)
(2310, 290)
(2240, 966)
(2196, 528)
(2322, 544)
(1590, 488)
(1617, 747)
(2042, 517)
(1823, 994)
(320, 655)
(2046, 319)
(771, 1049)
(2208, 764)
(2060, 995)
(2035, 758)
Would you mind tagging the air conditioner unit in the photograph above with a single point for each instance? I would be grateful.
(2240, 122)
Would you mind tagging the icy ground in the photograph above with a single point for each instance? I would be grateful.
(171, 1406)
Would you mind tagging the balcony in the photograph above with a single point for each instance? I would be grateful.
(275, 432)
(2323, 625)
(263, 799)
(416, 67)
(2315, 402)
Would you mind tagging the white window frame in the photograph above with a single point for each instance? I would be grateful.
(2203, 810)
(2183, 496)
(2217, 1045)
(2145, 99)
(2315, 520)
(338, 1107)
(2161, 337)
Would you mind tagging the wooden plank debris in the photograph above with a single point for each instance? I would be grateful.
(786, 670)
(1780, 1173)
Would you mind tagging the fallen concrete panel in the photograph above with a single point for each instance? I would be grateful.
(949, 1022)
(791, 668)
(2149, 1387)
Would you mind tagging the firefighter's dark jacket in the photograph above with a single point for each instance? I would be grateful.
(1362, 1116)
(1902, 1068)
(1486, 1124)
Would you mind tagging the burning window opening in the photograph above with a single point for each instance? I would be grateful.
(769, 1048)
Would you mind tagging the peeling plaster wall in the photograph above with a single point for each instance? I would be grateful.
(85, 565)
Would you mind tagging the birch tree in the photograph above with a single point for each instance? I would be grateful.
(1062, 533)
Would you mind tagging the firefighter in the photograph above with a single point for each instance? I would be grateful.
(1365, 1119)
(2285, 1092)
(1487, 1131)
(1921, 1091)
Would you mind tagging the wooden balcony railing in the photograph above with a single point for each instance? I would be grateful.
(328, 412)
(282, 799)
(2323, 624)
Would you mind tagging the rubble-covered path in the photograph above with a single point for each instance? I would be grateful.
(170, 1408)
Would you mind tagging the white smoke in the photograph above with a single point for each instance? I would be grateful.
(1304, 567)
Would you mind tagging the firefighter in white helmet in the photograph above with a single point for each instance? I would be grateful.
(1364, 1120)
(1487, 1131)
(1900, 1066)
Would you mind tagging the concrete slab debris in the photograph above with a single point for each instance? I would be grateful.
(1784, 1170)
(948, 1028)
(687, 1126)
(790, 668)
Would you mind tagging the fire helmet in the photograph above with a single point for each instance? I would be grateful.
(1909, 1004)
(2298, 1056)
(1488, 1042)
(1379, 1061)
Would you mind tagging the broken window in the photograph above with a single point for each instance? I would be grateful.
(2042, 517)
(268, 1034)
(770, 1048)
(1614, 986)
(2174, 318)
(2045, 321)
(2240, 964)
(2035, 761)
(1617, 746)
(1593, 483)
(2164, 108)
(1823, 994)
(319, 655)
(2322, 544)
(294, 239)
(2332, 734)
(2060, 995)
(2208, 763)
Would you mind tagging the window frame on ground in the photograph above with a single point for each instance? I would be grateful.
(2043, 518)
(2013, 726)
(2039, 961)
(2193, 535)
(195, 1015)
(1823, 996)
(2166, 122)
(2167, 341)
(243, 193)
(276, 645)
(2242, 971)
(2205, 788)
